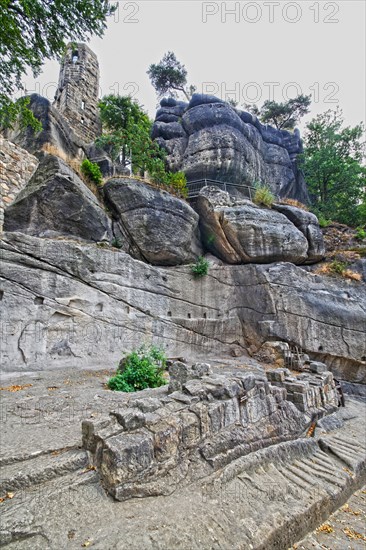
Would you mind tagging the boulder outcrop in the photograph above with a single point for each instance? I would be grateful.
(159, 227)
(56, 131)
(238, 231)
(146, 449)
(308, 224)
(75, 304)
(56, 202)
(208, 138)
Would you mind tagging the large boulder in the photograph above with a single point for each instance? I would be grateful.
(241, 232)
(161, 228)
(56, 134)
(208, 138)
(308, 224)
(57, 202)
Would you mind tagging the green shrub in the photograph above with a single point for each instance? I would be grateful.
(263, 195)
(361, 234)
(338, 267)
(91, 171)
(200, 268)
(178, 181)
(323, 222)
(116, 242)
(141, 369)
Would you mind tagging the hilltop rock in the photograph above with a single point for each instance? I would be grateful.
(56, 202)
(208, 138)
(241, 232)
(161, 228)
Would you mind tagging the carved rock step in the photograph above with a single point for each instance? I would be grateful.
(38, 469)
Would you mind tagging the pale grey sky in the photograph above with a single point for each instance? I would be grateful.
(253, 48)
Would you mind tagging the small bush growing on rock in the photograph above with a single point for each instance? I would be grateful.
(91, 171)
(263, 195)
(200, 268)
(323, 222)
(141, 369)
(361, 234)
(116, 242)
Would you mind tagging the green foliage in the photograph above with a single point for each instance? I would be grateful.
(127, 134)
(91, 171)
(142, 369)
(11, 111)
(361, 234)
(176, 181)
(33, 31)
(263, 195)
(284, 116)
(116, 242)
(338, 267)
(200, 268)
(127, 138)
(170, 76)
(333, 166)
(323, 222)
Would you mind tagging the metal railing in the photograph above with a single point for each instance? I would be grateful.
(194, 187)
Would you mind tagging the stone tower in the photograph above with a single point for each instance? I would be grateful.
(78, 91)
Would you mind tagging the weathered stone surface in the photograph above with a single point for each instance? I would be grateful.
(16, 168)
(308, 224)
(56, 131)
(69, 304)
(281, 491)
(226, 423)
(57, 202)
(162, 229)
(245, 233)
(213, 140)
(78, 91)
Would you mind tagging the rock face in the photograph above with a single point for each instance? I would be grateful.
(208, 138)
(56, 202)
(16, 168)
(308, 224)
(241, 232)
(76, 304)
(214, 419)
(56, 131)
(159, 227)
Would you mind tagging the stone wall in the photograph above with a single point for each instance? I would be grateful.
(16, 169)
(150, 446)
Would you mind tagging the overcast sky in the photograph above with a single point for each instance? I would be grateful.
(253, 49)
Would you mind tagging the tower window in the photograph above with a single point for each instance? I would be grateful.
(75, 56)
(83, 105)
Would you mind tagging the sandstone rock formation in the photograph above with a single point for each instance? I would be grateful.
(238, 231)
(56, 131)
(57, 202)
(208, 138)
(149, 447)
(16, 168)
(308, 224)
(161, 228)
(76, 304)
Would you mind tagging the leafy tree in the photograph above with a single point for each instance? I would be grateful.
(284, 116)
(333, 167)
(126, 134)
(127, 139)
(170, 76)
(36, 30)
